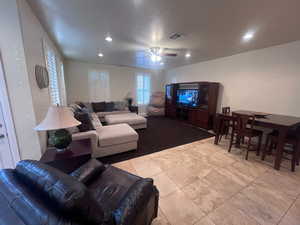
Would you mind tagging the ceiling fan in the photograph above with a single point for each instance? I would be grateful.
(156, 53)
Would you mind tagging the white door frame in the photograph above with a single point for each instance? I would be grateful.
(7, 113)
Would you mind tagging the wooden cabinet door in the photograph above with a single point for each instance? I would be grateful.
(199, 118)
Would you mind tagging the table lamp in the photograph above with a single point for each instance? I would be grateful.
(59, 118)
(129, 99)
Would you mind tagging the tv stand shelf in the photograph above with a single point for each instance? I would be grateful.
(200, 116)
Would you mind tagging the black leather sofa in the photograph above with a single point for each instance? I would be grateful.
(36, 194)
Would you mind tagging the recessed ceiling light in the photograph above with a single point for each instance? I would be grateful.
(108, 39)
(248, 36)
(188, 55)
(100, 55)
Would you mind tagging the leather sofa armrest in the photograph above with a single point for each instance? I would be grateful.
(134, 207)
(88, 171)
(91, 134)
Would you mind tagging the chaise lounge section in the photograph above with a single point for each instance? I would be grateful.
(109, 140)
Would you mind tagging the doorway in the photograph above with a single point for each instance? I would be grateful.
(9, 152)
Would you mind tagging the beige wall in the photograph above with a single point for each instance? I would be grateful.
(20, 96)
(33, 36)
(122, 80)
(265, 80)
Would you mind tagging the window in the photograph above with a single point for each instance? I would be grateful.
(99, 86)
(53, 77)
(143, 89)
(63, 95)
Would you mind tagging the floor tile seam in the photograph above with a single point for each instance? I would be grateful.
(231, 197)
(292, 204)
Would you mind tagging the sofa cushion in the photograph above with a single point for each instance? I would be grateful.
(117, 134)
(120, 106)
(88, 106)
(99, 106)
(69, 195)
(113, 186)
(102, 114)
(137, 196)
(129, 118)
(85, 120)
(96, 123)
(109, 106)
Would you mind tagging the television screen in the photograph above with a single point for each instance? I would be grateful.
(188, 97)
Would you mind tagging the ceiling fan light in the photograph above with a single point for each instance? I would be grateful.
(108, 39)
(156, 58)
(160, 51)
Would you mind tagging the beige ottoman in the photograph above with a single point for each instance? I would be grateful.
(132, 119)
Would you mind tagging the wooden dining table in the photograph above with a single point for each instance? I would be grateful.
(281, 123)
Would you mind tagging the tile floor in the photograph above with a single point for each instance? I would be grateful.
(202, 184)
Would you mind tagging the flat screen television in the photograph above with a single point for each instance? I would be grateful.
(188, 97)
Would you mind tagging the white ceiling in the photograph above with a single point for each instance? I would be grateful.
(211, 28)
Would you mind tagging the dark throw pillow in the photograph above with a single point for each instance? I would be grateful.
(81, 104)
(99, 106)
(85, 120)
(110, 106)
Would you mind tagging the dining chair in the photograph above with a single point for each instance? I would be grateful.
(225, 124)
(291, 146)
(226, 110)
(243, 126)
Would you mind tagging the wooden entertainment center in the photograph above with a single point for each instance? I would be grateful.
(194, 102)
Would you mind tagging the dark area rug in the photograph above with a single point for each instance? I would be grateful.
(161, 133)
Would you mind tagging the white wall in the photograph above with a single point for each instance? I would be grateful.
(122, 80)
(33, 35)
(13, 56)
(266, 80)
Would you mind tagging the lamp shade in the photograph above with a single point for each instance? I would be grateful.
(58, 117)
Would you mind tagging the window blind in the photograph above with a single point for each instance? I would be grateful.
(143, 88)
(99, 85)
(53, 77)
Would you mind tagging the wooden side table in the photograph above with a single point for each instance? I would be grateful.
(79, 153)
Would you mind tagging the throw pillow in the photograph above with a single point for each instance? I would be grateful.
(81, 104)
(120, 106)
(75, 107)
(99, 106)
(85, 120)
(96, 123)
(109, 107)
